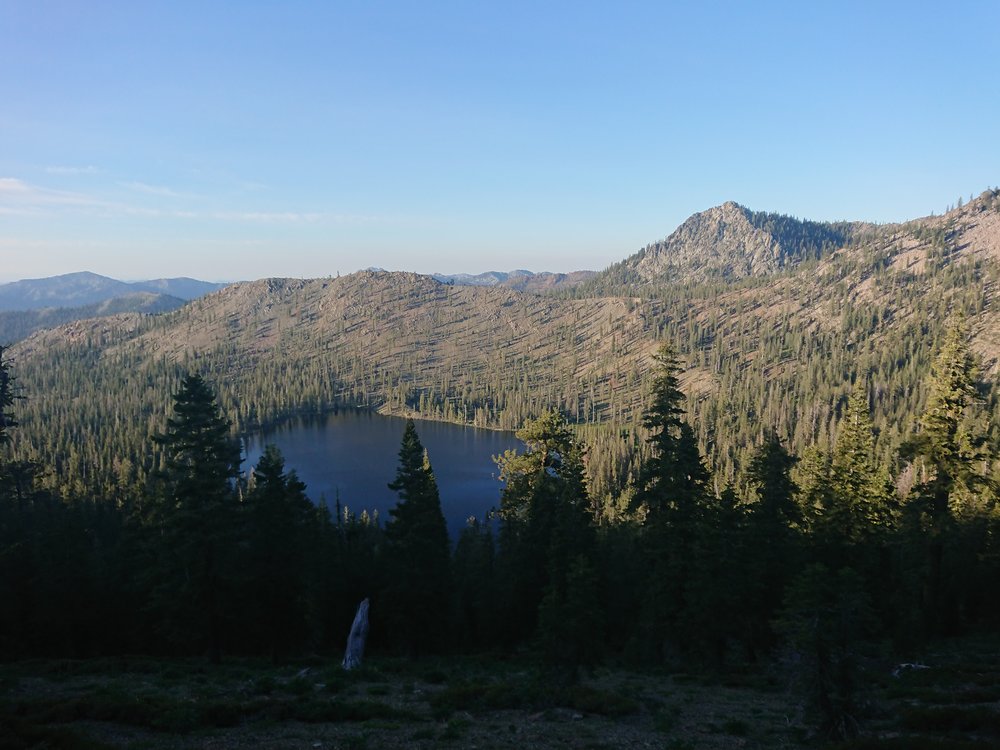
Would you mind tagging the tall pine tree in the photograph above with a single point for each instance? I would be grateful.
(281, 526)
(418, 570)
(953, 460)
(672, 493)
(548, 582)
(194, 520)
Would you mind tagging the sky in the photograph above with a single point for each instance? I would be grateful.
(239, 140)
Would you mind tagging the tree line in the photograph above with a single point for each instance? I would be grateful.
(827, 552)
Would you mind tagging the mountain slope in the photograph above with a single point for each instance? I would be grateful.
(19, 324)
(778, 350)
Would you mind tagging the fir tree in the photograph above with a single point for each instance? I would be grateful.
(475, 584)
(195, 520)
(672, 493)
(281, 535)
(546, 539)
(860, 503)
(418, 587)
(953, 459)
(772, 538)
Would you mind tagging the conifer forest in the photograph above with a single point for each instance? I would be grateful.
(788, 481)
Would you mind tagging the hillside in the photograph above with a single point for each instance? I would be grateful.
(85, 288)
(400, 343)
(780, 343)
(19, 324)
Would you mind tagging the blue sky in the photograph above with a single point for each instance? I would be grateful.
(241, 140)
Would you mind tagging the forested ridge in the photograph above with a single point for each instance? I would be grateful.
(824, 556)
(782, 348)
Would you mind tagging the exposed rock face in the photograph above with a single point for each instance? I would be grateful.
(732, 242)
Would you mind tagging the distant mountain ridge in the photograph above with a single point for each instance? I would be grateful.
(521, 280)
(85, 288)
(19, 324)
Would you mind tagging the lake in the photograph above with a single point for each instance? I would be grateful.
(353, 455)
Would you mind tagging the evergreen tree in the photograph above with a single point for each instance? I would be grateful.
(547, 543)
(475, 585)
(672, 492)
(418, 586)
(772, 538)
(194, 520)
(811, 478)
(673, 480)
(826, 620)
(954, 460)
(860, 504)
(281, 538)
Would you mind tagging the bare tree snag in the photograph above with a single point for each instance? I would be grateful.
(356, 640)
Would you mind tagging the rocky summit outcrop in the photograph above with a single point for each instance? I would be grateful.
(732, 242)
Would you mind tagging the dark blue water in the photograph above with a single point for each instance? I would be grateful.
(352, 455)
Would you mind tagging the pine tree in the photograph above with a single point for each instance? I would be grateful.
(546, 540)
(194, 520)
(475, 585)
(281, 538)
(672, 493)
(418, 586)
(811, 477)
(673, 481)
(773, 522)
(954, 460)
(860, 505)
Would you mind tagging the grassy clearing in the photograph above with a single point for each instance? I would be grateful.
(395, 703)
(389, 703)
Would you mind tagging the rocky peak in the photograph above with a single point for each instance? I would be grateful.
(732, 242)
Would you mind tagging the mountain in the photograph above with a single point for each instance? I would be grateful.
(85, 288)
(521, 280)
(181, 287)
(776, 321)
(731, 242)
(19, 324)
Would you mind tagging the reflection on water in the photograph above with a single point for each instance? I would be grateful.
(352, 455)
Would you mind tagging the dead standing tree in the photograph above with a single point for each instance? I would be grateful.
(356, 640)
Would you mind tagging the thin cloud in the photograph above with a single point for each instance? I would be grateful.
(89, 169)
(292, 217)
(12, 185)
(20, 198)
(159, 190)
(23, 194)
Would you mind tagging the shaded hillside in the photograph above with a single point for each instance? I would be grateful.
(774, 350)
(18, 324)
(85, 288)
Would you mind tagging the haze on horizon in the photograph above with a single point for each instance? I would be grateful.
(236, 142)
